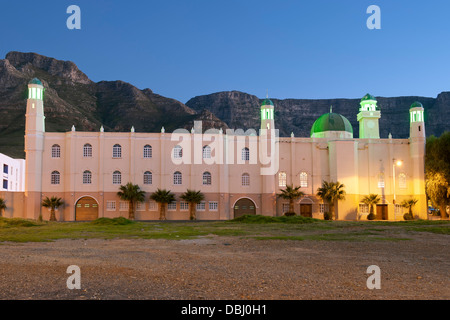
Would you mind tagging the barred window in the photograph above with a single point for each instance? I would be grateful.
(184, 205)
(148, 151)
(177, 152)
(245, 179)
(177, 178)
(363, 208)
(117, 177)
(303, 180)
(87, 177)
(124, 205)
(87, 151)
(245, 154)
(206, 179)
(201, 206)
(56, 151)
(172, 206)
(285, 207)
(110, 205)
(117, 151)
(148, 177)
(213, 206)
(152, 205)
(206, 152)
(56, 177)
(282, 179)
(323, 207)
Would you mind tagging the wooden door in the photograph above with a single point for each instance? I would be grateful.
(382, 211)
(86, 209)
(244, 207)
(306, 210)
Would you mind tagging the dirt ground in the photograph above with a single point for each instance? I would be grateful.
(227, 268)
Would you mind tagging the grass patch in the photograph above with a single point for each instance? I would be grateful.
(16, 222)
(282, 219)
(114, 221)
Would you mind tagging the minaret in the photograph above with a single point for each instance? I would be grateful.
(368, 118)
(34, 148)
(417, 141)
(267, 114)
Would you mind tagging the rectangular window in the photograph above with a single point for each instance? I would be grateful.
(140, 206)
(172, 206)
(184, 206)
(363, 208)
(110, 205)
(213, 206)
(323, 207)
(5, 168)
(285, 207)
(124, 205)
(5, 184)
(282, 177)
(201, 206)
(398, 209)
(152, 206)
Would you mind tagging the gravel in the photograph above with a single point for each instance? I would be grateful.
(226, 268)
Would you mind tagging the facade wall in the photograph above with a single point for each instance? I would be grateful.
(12, 174)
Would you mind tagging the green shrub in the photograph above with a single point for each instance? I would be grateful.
(327, 216)
(16, 222)
(113, 221)
(289, 214)
(371, 216)
(408, 216)
(265, 219)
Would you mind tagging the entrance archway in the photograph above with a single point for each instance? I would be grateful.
(86, 209)
(243, 207)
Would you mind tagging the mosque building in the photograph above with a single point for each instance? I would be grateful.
(239, 173)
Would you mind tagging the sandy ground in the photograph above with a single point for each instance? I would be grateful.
(226, 268)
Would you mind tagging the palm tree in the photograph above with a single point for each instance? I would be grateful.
(162, 197)
(291, 193)
(331, 192)
(2, 206)
(371, 200)
(193, 197)
(409, 204)
(53, 203)
(133, 194)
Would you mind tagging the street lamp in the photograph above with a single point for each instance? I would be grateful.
(396, 163)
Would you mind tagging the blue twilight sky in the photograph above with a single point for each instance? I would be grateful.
(295, 49)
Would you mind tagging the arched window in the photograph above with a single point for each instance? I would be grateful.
(282, 179)
(148, 151)
(117, 151)
(56, 177)
(148, 178)
(303, 180)
(402, 181)
(87, 150)
(245, 154)
(245, 179)
(87, 177)
(206, 178)
(206, 152)
(56, 151)
(117, 177)
(177, 178)
(177, 152)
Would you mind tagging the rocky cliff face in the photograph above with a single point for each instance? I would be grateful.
(241, 110)
(71, 98)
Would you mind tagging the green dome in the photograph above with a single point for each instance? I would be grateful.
(267, 102)
(36, 81)
(368, 97)
(416, 104)
(331, 122)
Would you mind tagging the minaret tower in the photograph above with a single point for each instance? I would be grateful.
(267, 114)
(34, 148)
(417, 139)
(368, 118)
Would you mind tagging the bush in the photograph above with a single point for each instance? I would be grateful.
(371, 216)
(16, 222)
(289, 214)
(283, 219)
(113, 221)
(408, 216)
(327, 216)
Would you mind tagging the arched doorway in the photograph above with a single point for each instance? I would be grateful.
(86, 209)
(243, 207)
